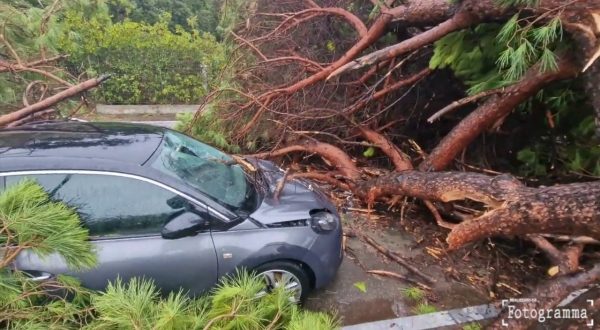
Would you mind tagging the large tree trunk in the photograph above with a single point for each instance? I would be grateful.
(512, 208)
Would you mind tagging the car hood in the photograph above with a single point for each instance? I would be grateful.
(297, 198)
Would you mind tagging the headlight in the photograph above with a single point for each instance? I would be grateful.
(323, 221)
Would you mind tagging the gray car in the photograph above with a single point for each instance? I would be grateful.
(161, 205)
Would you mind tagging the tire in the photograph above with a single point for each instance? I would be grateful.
(280, 270)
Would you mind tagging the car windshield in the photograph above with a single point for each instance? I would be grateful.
(205, 169)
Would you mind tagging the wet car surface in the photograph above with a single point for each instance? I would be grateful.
(161, 205)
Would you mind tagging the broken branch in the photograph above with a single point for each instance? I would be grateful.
(52, 100)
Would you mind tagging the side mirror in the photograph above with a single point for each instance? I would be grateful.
(184, 224)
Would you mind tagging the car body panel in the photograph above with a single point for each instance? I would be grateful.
(295, 201)
(188, 262)
(321, 253)
(193, 262)
(113, 141)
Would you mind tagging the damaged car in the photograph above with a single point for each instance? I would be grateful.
(161, 205)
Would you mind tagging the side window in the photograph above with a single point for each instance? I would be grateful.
(112, 206)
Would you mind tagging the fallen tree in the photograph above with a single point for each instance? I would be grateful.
(355, 91)
(511, 207)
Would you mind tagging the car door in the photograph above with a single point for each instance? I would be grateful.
(125, 216)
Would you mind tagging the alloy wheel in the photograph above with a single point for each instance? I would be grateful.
(276, 278)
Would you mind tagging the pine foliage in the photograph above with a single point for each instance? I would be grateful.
(29, 218)
(492, 55)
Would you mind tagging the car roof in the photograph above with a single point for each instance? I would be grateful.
(114, 141)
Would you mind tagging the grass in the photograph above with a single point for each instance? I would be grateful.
(424, 308)
(413, 294)
(472, 326)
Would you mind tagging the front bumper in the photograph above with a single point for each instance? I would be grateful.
(325, 256)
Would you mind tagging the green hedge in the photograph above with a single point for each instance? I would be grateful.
(149, 64)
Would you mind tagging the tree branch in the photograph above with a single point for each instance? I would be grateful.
(341, 161)
(52, 100)
(462, 102)
(492, 110)
(459, 21)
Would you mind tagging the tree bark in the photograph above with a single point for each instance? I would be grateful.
(513, 209)
(337, 157)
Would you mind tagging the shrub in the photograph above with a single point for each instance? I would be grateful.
(149, 64)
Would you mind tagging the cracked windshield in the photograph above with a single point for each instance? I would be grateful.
(204, 168)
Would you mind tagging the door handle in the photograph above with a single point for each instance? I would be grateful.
(38, 276)
(41, 278)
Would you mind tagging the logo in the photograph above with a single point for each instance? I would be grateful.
(517, 311)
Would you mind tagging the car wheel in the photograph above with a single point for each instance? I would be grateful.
(287, 274)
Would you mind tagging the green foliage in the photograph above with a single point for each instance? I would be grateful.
(533, 161)
(200, 15)
(413, 293)
(302, 320)
(472, 326)
(150, 64)
(234, 304)
(472, 55)
(29, 218)
(30, 29)
(361, 286)
(416, 297)
(330, 46)
(492, 55)
(232, 12)
(496, 55)
(424, 308)
(369, 152)
(569, 146)
(208, 128)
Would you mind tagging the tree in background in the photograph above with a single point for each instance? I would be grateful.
(29, 55)
(202, 15)
(49, 46)
(149, 63)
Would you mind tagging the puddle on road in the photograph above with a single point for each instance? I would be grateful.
(459, 295)
(373, 310)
